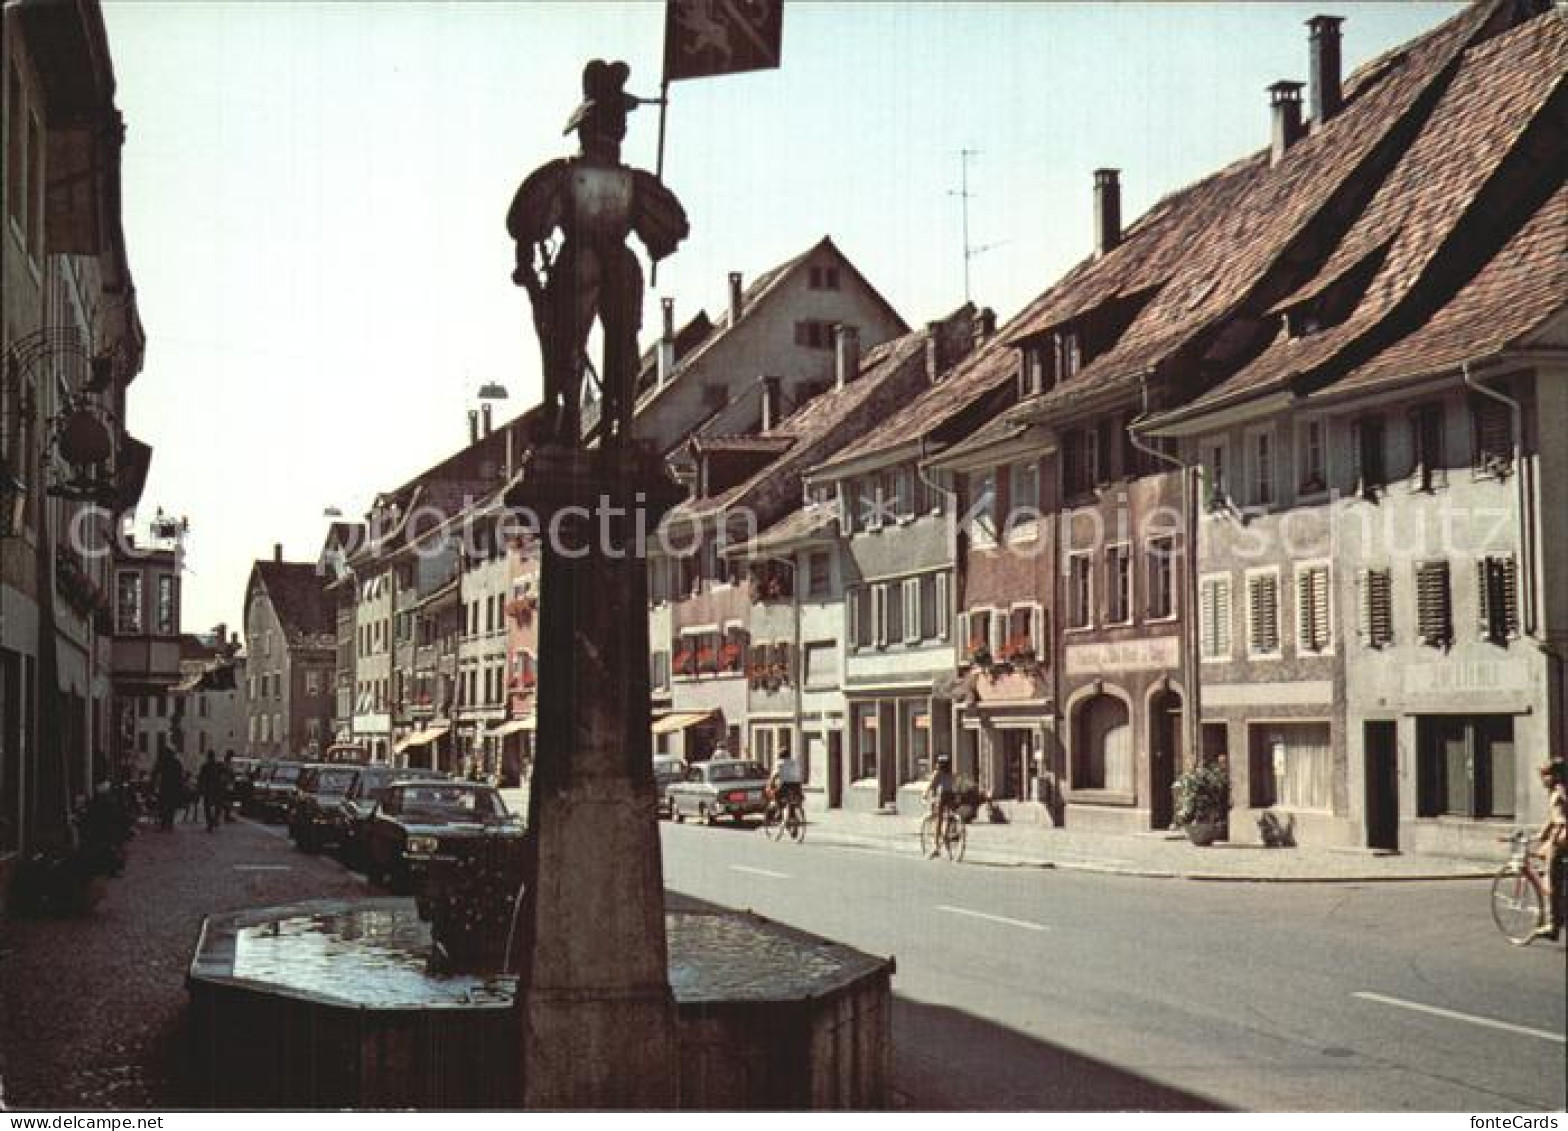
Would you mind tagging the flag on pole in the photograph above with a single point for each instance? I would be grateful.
(721, 37)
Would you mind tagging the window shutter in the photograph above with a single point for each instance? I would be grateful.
(912, 611)
(1494, 439)
(1497, 593)
(1434, 608)
(852, 605)
(963, 632)
(1376, 615)
(1037, 630)
(1312, 626)
(1263, 605)
(942, 626)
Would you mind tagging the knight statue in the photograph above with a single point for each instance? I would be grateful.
(594, 202)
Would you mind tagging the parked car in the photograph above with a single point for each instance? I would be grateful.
(274, 791)
(724, 787)
(667, 770)
(243, 780)
(313, 815)
(260, 770)
(359, 801)
(416, 820)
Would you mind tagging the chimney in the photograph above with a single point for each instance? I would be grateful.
(1107, 210)
(473, 426)
(772, 402)
(1323, 43)
(737, 299)
(984, 326)
(667, 341)
(277, 551)
(484, 412)
(933, 352)
(846, 354)
(1285, 98)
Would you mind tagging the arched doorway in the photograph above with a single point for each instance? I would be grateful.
(1102, 745)
(1165, 714)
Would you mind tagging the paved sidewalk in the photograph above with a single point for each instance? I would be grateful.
(92, 1006)
(1161, 855)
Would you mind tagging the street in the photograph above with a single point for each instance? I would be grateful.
(1034, 989)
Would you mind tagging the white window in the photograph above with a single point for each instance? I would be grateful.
(1160, 577)
(1260, 455)
(927, 601)
(983, 507)
(1314, 617)
(911, 617)
(879, 615)
(1214, 618)
(128, 603)
(1216, 485)
(1080, 590)
(1263, 635)
(940, 608)
(1312, 457)
(1118, 584)
(821, 664)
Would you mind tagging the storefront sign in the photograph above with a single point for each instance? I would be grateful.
(1155, 654)
(1467, 677)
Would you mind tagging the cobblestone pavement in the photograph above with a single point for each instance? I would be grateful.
(1161, 855)
(92, 1006)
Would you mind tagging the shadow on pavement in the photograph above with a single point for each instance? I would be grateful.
(947, 1059)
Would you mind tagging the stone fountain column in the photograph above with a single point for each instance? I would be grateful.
(597, 1013)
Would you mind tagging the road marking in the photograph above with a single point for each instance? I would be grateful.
(1026, 925)
(758, 872)
(1487, 1022)
(263, 867)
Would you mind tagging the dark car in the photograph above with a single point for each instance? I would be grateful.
(313, 817)
(250, 793)
(273, 793)
(724, 787)
(417, 822)
(359, 801)
(243, 771)
(667, 770)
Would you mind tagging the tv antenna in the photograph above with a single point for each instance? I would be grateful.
(964, 197)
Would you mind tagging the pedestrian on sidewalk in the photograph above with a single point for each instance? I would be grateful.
(191, 799)
(209, 784)
(168, 780)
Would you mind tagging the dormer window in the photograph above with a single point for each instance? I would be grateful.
(1039, 369)
(1069, 354)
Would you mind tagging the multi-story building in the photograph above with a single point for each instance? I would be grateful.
(484, 585)
(781, 326)
(72, 342)
(516, 733)
(895, 564)
(342, 540)
(1380, 631)
(207, 711)
(291, 649)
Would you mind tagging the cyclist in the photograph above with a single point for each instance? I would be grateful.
(1553, 843)
(784, 783)
(942, 795)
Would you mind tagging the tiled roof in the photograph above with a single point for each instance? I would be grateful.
(299, 596)
(800, 525)
(1512, 296)
(810, 429)
(1232, 239)
(1433, 202)
(754, 294)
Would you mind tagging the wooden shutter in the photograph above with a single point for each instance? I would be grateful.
(1377, 608)
(1494, 435)
(942, 625)
(1312, 611)
(998, 633)
(1497, 593)
(852, 607)
(1434, 605)
(911, 596)
(963, 634)
(1263, 610)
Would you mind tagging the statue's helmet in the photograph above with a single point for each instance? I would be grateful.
(605, 101)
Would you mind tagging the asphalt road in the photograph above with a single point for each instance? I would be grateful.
(1033, 989)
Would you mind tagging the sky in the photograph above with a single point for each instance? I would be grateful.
(315, 197)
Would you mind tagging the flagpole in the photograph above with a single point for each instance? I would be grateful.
(658, 168)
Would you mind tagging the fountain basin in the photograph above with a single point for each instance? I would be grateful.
(329, 1004)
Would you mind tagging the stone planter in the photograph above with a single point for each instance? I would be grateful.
(1202, 833)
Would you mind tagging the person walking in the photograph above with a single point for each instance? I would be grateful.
(209, 784)
(168, 780)
(229, 785)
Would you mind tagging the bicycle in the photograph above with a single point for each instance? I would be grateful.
(942, 830)
(1519, 904)
(787, 819)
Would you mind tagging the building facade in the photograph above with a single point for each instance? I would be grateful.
(291, 650)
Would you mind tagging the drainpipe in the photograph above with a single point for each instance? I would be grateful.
(952, 596)
(1525, 486)
(1189, 495)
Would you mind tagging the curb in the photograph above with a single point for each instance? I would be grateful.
(988, 860)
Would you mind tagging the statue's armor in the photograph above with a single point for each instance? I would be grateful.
(601, 203)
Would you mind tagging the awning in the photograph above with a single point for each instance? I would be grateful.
(512, 726)
(421, 737)
(679, 720)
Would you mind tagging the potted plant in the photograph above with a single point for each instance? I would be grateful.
(1203, 802)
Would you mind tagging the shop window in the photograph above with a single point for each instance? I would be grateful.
(1465, 766)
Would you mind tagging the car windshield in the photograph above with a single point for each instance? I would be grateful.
(286, 773)
(333, 781)
(450, 802)
(735, 771)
